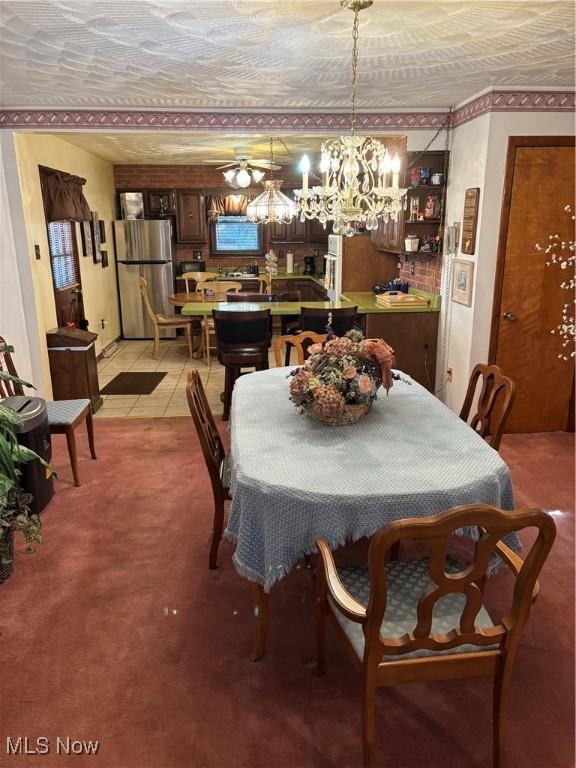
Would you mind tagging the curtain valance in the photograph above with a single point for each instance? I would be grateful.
(227, 205)
(63, 197)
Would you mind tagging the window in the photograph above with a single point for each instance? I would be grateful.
(62, 242)
(235, 234)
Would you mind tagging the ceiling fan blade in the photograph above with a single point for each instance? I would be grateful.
(265, 164)
(228, 165)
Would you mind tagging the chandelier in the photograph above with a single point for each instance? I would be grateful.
(271, 206)
(360, 180)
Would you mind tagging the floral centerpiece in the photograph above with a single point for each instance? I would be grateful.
(340, 379)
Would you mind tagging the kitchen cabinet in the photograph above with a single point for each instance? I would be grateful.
(413, 336)
(190, 217)
(293, 232)
(310, 290)
(316, 232)
(389, 235)
(161, 202)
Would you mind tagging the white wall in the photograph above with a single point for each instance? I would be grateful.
(478, 159)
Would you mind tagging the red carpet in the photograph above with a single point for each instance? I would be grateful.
(116, 631)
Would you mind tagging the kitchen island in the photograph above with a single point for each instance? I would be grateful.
(412, 331)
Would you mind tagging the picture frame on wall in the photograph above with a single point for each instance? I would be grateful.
(104, 259)
(102, 227)
(462, 281)
(95, 229)
(86, 235)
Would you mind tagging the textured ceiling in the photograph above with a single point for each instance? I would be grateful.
(250, 54)
(178, 148)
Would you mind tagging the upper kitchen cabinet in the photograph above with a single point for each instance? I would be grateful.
(190, 217)
(293, 232)
(161, 203)
(317, 233)
(388, 235)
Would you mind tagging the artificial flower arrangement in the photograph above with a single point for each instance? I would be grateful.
(341, 377)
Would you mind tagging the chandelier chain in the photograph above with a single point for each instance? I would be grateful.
(354, 69)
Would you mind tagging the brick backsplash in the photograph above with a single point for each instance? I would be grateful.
(186, 177)
(427, 273)
(186, 253)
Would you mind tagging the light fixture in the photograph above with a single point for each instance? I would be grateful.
(243, 175)
(271, 206)
(356, 185)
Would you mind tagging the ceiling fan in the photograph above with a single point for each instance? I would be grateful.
(243, 171)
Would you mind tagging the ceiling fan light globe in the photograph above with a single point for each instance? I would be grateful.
(243, 178)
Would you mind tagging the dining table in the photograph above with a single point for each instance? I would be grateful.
(294, 480)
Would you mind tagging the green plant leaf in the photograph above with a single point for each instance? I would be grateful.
(6, 349)
(6, 484)
(8, 377)
(7, 415)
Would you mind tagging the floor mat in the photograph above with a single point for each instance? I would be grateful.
(133, 383)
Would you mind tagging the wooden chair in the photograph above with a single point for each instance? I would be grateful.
(243, 339)
(164, 321)
(63, 415)
(298, 343)
(265, 283)
(220, 290)
(198, 277)
(494, 402)
(417, 620)
(316, 319)
(214, 456)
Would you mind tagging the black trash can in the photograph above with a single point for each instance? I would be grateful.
(34, 433)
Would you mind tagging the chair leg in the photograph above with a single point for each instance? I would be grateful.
(71, 440)
(218, 527)
(287, 353)
(156, 347)
(188, 330)
(501, 685)
(207, 342)
(90, 430)
(368, 716)
(230, 377)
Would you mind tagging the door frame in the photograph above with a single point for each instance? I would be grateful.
(45, 171)
(513, 143)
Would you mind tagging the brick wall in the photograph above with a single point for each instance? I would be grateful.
(427, 272)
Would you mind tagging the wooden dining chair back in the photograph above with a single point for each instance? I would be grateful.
(199, 278)
(214, 454)
(63, 415)
(218, 288)
(265, 283)
(418, 620)
(299, 342)
(8, 388)
(164, 321)
(242, 339)
(495, 401)
(316, 319)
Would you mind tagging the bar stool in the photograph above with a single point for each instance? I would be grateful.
(316, 319)
(242, 340)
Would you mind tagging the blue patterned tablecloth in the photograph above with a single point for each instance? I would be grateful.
(294, 480)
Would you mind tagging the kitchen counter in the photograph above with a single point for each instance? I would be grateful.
(201, 308)
(367, 303)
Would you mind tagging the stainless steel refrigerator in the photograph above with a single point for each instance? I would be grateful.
(144, 249)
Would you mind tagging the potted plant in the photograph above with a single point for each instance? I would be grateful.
(14, 502)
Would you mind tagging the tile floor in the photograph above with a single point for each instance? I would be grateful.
(169, 397)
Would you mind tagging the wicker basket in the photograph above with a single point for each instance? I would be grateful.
(6, 569)
(350, 415)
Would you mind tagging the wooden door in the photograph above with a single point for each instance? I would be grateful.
(297, 230)
(528, 298)
(191, 218)
(66, 280)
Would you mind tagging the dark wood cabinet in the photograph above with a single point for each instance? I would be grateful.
(161, 202)
(413, 336)
(389, 235)
(293, 232)
(310, 290)
(190, 217)
(73, 368)
(316, 232)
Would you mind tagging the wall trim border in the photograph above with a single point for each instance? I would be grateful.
(159, 120)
